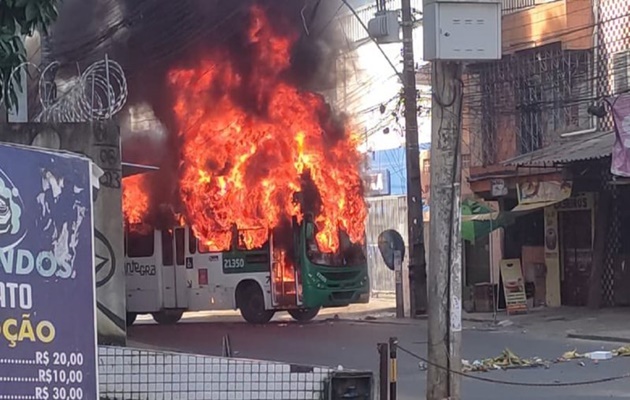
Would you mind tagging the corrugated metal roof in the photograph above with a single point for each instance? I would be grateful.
(579, 148)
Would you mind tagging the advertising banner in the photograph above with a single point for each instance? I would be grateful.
(47, 292)
(620, 105)
(513, 286)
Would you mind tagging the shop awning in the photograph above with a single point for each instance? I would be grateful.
(589, 146)
(129, 169)
(534, 206)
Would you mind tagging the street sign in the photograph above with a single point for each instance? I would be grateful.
(47, 291)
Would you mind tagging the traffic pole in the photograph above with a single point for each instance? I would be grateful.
(444, 297)
(393, 367)
(383, 371)
(417, 261)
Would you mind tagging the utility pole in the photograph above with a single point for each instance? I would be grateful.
(417, 261)
(445, 286)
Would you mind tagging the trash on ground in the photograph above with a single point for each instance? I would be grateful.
(599, 355)
(506, 360)
(622, 351)
(571, 355)
(505, 322)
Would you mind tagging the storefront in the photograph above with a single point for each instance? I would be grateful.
(569, 240)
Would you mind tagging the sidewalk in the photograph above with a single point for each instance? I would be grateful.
(608, 325)
(611, 324)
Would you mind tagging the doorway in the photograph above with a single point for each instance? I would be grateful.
(576, 256)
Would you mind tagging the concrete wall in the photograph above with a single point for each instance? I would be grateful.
(102, 144)
(134, 374)
(569, 21)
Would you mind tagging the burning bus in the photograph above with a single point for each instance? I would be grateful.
(172, 271)
(258, 203)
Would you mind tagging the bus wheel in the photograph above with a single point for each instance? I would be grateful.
(304, 314)
(251, 302)
(131, 318)
(167, 317)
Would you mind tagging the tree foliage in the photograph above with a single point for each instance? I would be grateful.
(18, 19)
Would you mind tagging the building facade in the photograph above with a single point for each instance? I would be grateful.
(540, 132)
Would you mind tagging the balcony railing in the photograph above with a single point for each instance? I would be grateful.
(511, 6)
(352, 27)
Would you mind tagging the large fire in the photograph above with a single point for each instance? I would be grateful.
(135, 200)
(250, 143)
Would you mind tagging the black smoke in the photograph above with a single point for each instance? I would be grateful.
(151, 37)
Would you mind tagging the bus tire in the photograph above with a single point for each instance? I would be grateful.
(131, 318)
(304, 314)
(251, 303)
(167, 317)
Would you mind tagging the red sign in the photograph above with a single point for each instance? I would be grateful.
(203, 277)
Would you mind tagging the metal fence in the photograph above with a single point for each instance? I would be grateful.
(389, 212)
(384, 213)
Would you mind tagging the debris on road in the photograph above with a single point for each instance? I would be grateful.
(505, 323)
(599, 355)
(506, 360)
(623, 351)
(570, 355)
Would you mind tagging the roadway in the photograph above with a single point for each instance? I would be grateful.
(352, 344)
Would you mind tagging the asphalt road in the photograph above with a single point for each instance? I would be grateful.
(353, 345)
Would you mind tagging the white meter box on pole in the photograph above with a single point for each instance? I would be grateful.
(462, 30)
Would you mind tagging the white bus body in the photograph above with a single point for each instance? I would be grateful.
(166, 274)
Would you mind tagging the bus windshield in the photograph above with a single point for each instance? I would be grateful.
(349, 254)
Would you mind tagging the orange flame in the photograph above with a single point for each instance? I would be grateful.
(135, 199)
(242, 165)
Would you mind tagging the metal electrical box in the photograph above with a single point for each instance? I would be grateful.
(384, 27)
(462, 30)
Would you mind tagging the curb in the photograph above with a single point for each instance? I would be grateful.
(598, 338)
(388, 321)
(402, 321)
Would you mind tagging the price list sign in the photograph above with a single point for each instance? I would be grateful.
(47, 294)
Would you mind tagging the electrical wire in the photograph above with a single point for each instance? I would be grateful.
(345, 2)
(514, 383)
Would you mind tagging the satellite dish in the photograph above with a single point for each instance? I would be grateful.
(389, 242)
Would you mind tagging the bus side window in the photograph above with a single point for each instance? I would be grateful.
(140, 244)
(167, 248)
(192, 241)
(125, 238)
(180, 241)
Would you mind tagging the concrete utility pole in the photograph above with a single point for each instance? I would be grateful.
(417, 261)
(445, 290)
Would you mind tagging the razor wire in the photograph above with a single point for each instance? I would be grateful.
(97, 94)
